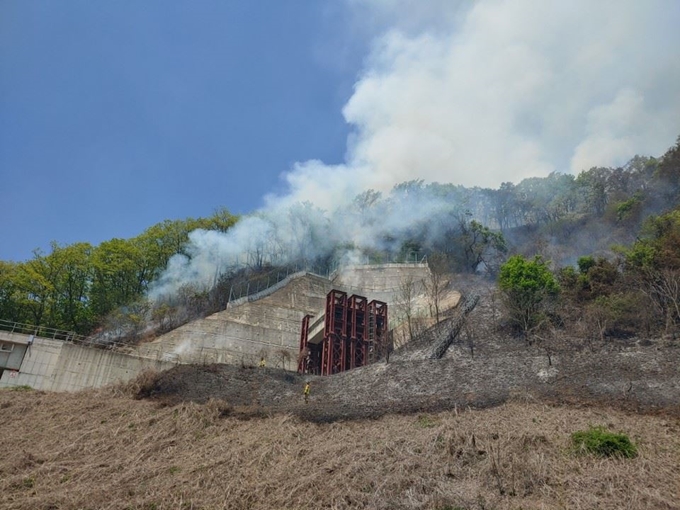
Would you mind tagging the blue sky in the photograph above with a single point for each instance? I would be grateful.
(116, 115)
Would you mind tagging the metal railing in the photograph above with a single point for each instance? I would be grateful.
(59, 334)
(254, 285)
(41, 331)
(259, 283)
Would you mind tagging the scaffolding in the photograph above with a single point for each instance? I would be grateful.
(351, 333)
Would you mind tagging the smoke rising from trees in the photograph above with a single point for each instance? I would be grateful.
(471, 93)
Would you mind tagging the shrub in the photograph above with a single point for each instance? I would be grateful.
(23, 387)
(602, 443)
(528, 287)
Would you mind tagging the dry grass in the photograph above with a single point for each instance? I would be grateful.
(105, 450)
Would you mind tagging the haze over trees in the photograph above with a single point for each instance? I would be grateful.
(610, 237)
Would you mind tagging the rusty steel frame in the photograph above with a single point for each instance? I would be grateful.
(303, 360)
(355, 332)
(333, 353)
(378, 329)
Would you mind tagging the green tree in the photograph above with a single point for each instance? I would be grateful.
(480, 245)
(528, 288)
(653, 264)
(36, 283)
(117, 278)
(71, 306)
(11, 305)
(593, 188)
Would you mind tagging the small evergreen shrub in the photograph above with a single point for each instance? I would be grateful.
(603, 443)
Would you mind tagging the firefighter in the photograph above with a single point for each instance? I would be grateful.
(306, 392)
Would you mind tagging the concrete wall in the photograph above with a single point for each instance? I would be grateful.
(12, 350)
(54, 365)
(81, 367)
(37, 367)
(271, 324)
(242, 333)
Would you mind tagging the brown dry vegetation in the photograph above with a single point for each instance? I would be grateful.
(105, 450)
(482, 428)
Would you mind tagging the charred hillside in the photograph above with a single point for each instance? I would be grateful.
(484, 367)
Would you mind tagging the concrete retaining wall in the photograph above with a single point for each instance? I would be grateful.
(241, 334)
(12, 349)
(54, 365)
(83, 367)
(37, 367)
(270, 325)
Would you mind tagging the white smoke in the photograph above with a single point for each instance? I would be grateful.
(474, 93)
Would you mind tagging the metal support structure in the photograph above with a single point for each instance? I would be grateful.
(357, 331)
(377, 330)
(333, 353)
(303, 358)
(354, 334)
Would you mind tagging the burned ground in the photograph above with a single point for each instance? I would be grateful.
(483, 368)
(644, 380)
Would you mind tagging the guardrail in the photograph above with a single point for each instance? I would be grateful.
(58, 334)
(260, 283)
(241, 291)
(41, 331)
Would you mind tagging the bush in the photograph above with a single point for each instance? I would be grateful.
(529, 288)
(602, 443)
(23, 387)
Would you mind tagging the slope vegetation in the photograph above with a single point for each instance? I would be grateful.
(103, 450)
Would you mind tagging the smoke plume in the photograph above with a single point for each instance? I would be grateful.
(474, 93)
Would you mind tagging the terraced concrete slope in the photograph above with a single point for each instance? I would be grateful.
(270, 326)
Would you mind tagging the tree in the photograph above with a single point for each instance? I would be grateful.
(404, 301)
(36, 281)
(437, 282)
(480, 245)
(529, 288)
(11, 306)
(668, 172)
(117, 276)
(72, 308)
(594, 189)
(653, 263)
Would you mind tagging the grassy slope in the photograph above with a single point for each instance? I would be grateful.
(102, 449)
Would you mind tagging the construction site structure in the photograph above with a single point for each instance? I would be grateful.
(351, 333)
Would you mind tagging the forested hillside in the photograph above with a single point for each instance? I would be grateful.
(609, 236)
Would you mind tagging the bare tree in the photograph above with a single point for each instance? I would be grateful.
(437, 282)
(284, 357)
(662, 287)
(405, 306)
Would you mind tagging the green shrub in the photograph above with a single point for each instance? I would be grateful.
(599, 441)
(23, 387)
